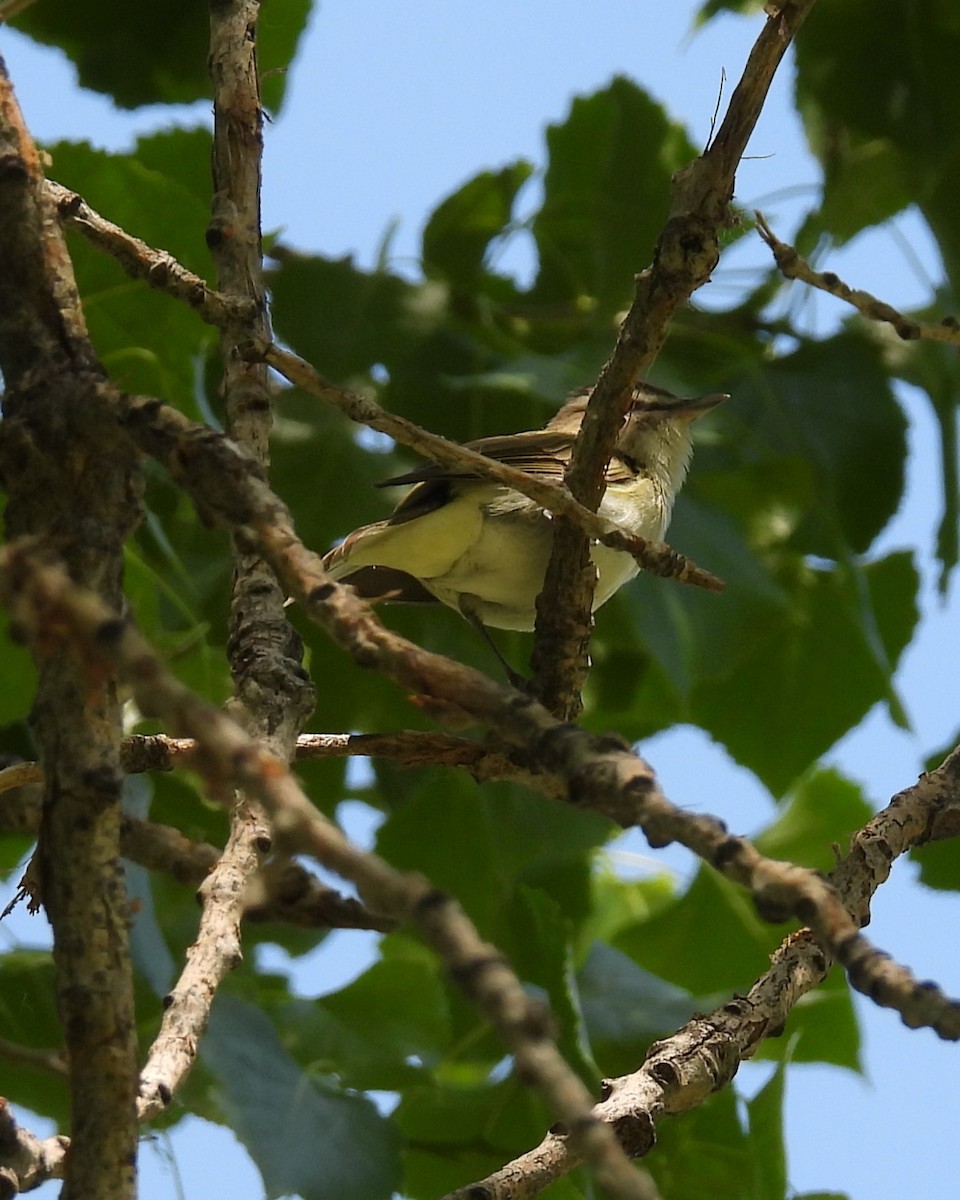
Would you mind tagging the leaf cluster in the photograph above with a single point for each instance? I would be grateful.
(395, 1082)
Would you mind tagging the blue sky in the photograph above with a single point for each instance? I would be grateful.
(390, 107)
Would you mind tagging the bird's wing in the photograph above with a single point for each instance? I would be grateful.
(543, 453)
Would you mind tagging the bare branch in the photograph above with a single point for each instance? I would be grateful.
(156, 268)
(685, 255)
(26, 1161)
(214, 953)
(33, 1056)
(283, 891)
(65, 476)
(273, 693)
(794, 266)
(681, 1071)
(602, 773)
(483, 760)
(229, 758)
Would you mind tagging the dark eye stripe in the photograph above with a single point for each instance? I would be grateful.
(630, 463)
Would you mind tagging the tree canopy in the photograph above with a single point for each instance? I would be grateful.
(188, 423)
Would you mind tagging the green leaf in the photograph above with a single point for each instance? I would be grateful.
(505, 834)
(607, 189)
(934, 369)
(823, 809)
(869, 185)
(458, 1134)
(726, 945)
(886, 72)
(377, 1032)
(28, 1017)
(783, 707)
(461, 228)
(281, 25)
(713, 8)
(824, 468)
(157, 53)
(144, 55)
(626, 1008)
(707, 1143)
(939, 864)
(769, 1157)
(149, 342)
(306, 1136)
(19, 675)
(536, 939)
(148, 947)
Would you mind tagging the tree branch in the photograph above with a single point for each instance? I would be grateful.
(66, 473)
(156, 268)
(228, 757)
(601, 773)
(681, 1071)
(273, 695)
(25, 1161)
(686, 253)
(283, 890)
(793, 266)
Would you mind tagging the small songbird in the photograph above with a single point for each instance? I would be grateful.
(483, 548)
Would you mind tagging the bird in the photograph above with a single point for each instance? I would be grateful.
(482, 548)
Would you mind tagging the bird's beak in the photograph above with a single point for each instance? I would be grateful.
(696, 406)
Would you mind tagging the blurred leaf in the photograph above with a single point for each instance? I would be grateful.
(626, 1008)
(376, 1032)
(939, 865)
(870, 184)
(823, 809)
(832, 465)
(606, 192)
(536, 941)
(714, 7)
(885, 72)
(280, 27)
(726, 945)
(707, 1143)
(934, 369)
(765, 1117)
(504, 835)
(19, 676)
(160, 193)
(148, 947)
(305, 1136)
(458, 1134)
(157, 53)
(461, 228)
(28, 1017)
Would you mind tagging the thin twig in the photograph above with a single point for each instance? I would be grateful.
(793, 266)
(283, 891)
(33, 1056)
(157, 268)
